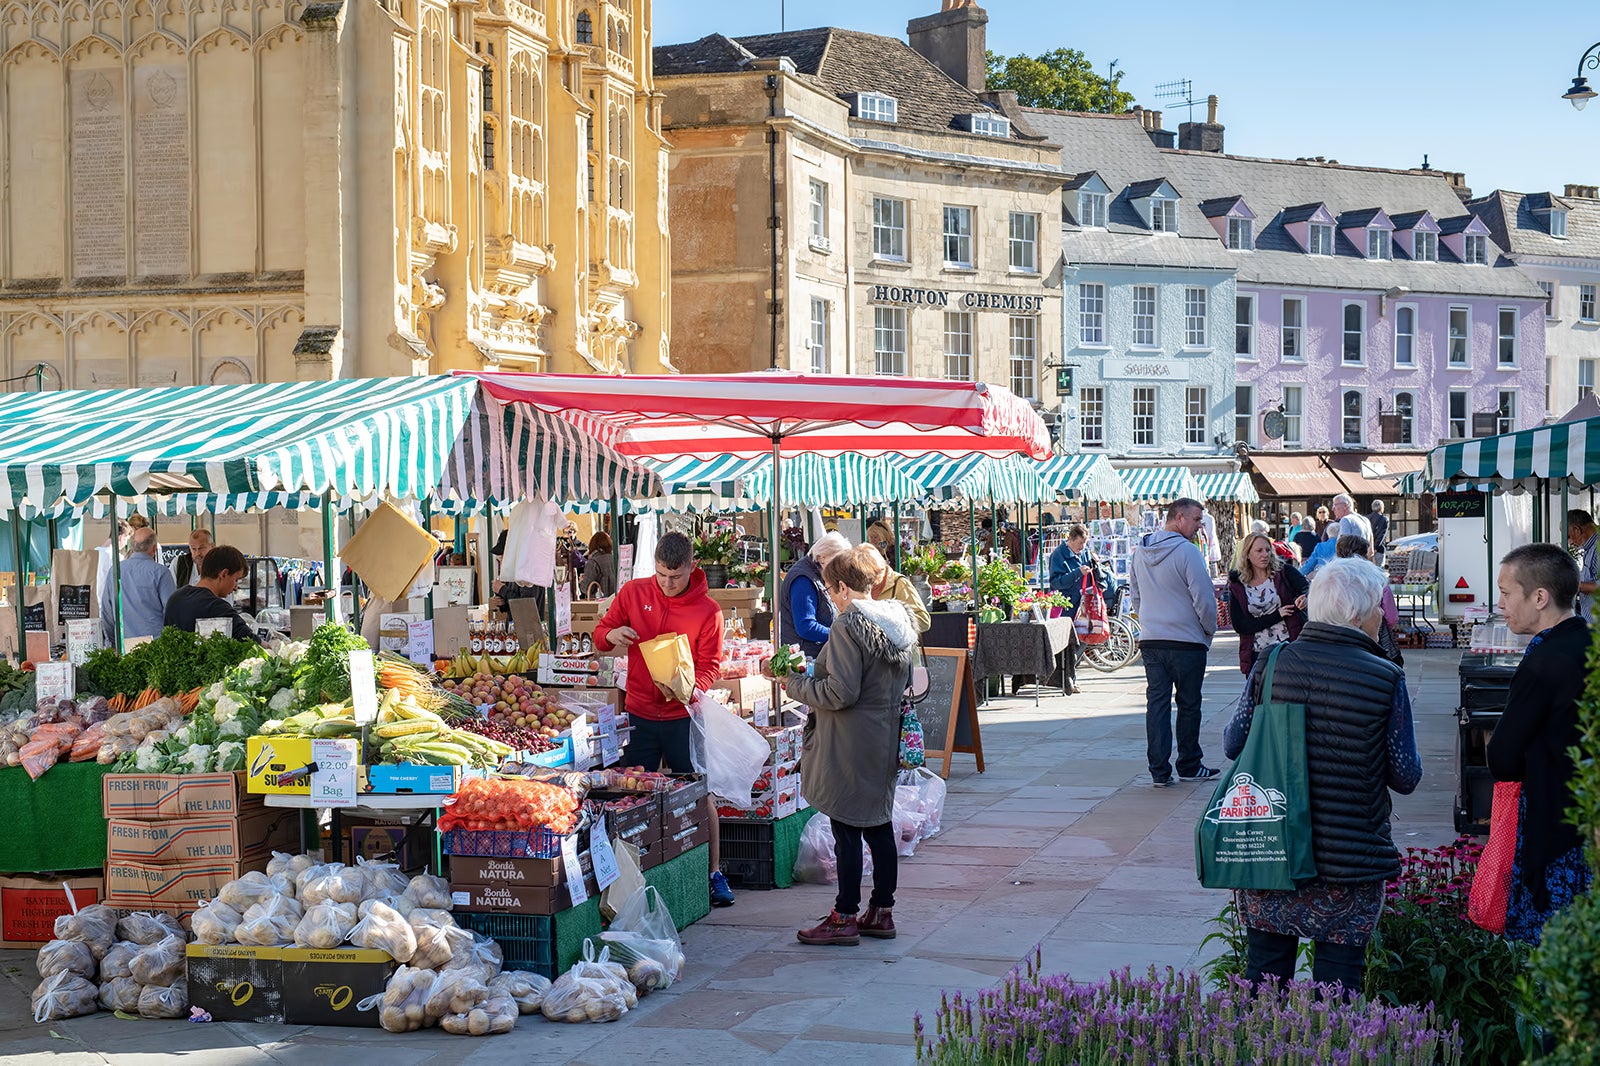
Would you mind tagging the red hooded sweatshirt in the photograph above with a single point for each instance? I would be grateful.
(651, 613)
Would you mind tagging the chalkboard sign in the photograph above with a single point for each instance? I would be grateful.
(949, 713)
(1462, 505)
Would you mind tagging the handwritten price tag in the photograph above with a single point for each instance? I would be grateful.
(574, 872)
(605, 859)
(364, 686)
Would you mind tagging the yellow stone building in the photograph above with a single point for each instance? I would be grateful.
(210, 191)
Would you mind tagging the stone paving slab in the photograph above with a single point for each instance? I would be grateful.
(1062, 844)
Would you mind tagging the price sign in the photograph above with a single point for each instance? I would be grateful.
(563, 609)
(55, 681)
(609, 752)
(364, 686)
(582, 743)
(624, 564)
(333, 782)
(83, 637)
(605, 859)
(419, 642)
(207, 627)
(574, 872)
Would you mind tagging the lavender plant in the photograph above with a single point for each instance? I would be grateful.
(1047, 1020)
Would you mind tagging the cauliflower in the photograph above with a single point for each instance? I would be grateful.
(148, 760)
(197, 759)
(182, 735)
(292, 651)
(230, 755)
(233, 727)
(227, 707)
(281, 701)
(254, 668)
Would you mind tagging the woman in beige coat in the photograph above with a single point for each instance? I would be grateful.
(851, 741)
(887, 584)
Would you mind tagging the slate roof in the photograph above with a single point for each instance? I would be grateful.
(1406, 219)
(1218, 206)
(1140, 189)
(841, 62)
(1301, 213)
(1513, 225)
(1358, 219)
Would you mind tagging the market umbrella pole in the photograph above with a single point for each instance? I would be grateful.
(16, 555)
(116, 580)
(897, 536)
(330, 606)
(772, 542)
(972, 533)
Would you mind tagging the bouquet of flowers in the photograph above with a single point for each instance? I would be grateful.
(717, 544)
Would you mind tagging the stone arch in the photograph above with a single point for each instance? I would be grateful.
(157, 40)
(221, 36)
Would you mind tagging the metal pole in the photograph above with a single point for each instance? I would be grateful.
(1565, 507)
(1488, 537)
(972, 532)
(896, 513)
(355, 582)
(116, 579)
(330, 605)
(1024, 537)
(427, 523)
(16, 556)
(772, 544)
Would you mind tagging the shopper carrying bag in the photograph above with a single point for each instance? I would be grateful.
(1491, 881)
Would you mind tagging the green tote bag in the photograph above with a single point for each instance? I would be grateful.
(1256, 831)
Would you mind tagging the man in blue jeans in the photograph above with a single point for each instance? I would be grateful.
(1171, 592)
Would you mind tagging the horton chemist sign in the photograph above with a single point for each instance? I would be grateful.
(911, 296)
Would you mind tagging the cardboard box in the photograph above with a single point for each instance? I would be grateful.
(747, 695)
(505, 898)
(683, 807)
(323, 987)
(684, 840)
(389, 839)
(747, 600)
(269, 760)
(135, 884)
(788, 801)
(155, 797)
(536, 873)
(235, 983)
(29, 907)
(245, 838)
(410, 779)
(784, 742)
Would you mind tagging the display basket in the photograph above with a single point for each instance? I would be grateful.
(538, 843)
(527, 941)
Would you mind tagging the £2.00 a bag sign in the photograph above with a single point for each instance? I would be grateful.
(1256, 831)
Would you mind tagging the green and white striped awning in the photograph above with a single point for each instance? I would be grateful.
(1515, 462)
(1234, 487)
(1089, 477)
(835, 481)
(1161, 484)
(980, 479)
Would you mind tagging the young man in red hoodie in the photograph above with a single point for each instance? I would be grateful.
(674, 601)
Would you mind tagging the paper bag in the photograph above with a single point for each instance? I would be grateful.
(388, 551)
(670, 662)
(630, 880)
(35, 599)
(74, 588)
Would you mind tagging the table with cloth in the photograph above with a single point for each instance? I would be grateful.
(55, 823)
(1027, 648)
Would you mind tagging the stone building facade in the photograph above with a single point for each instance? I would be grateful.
(216, 191)
(846, 203)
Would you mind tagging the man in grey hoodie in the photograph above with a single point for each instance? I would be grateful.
(1177, 608)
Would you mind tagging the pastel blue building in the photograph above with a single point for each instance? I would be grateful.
(1148, 297)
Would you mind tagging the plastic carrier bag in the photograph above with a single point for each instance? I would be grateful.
(930, 789)
(594, 990)
(66, 995)
(644, 941)
(727, 749)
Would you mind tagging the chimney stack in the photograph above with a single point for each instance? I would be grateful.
(1202, 136)
(953, 40)
(1583, 192)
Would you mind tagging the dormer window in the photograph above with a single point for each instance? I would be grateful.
(985, 124)
(1091, 209)
(1476, 250)
(1425, 246)
(876, 107)
(1157, 203)
(1088, 209)
(1558, 223)
(1241, 234)
(1320, 240)
(1164, 215)
(1379, 245)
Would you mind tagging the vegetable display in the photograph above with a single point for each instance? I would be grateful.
(511, 803)
(176, 661)
(324, 673)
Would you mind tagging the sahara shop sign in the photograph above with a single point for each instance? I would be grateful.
(1125, 369)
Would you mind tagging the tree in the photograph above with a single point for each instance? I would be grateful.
(1064, 80)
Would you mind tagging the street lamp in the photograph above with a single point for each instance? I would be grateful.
(1580, 94)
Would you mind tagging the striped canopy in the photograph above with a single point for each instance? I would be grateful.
(1516, 462)
(1090, 477)
(356, 438)
(837, 481)
(1234, 487)
(979, 479)
(1161, 484)
(711, 415)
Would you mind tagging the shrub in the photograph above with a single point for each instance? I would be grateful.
(1172, 1018)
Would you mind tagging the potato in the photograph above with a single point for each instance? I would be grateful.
(478, 1022)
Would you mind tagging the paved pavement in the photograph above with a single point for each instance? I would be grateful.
(1061, 843)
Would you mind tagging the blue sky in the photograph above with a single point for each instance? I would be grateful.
(1374, 84)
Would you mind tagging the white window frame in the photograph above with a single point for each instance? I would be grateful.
(1475, 249)
(1410, 361)
(1506, 416)
(1319, 239)
(1451, 363)
(957, 237)
(1247, 325)
(1586, 369)
(1244, 416)
(1196, 327)
(1424, 246)
(1092, 416)
(1144, 425)
(1451, 422)
(877, 107)
(1297, 331)
(1163, 214)
(1588, 303)
(819, 214)
(1294, 416)
(1023, 247)
(1558, 223)
(1380, 243)
(1023, 347)
(890, 325)
(889, 233)
(1241, 234)
(958, 345)
(1360, 358)
(1146, 314)
(1361, 419)
(1549, 288)
(821, 317)
(1501, 337)
(1092, 209)
(990, 126)
(1196, 416)
(1408, 422)
(1091, 314)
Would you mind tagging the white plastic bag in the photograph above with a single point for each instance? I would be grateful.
(644, 941)
(66, 995)
(816, 862)
(908, 821)
(66, 956)
(931, 790)
(727, 749)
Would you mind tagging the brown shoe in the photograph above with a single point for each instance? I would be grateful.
(836, 928)
(877, 923)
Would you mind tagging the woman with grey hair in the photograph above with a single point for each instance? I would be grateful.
(804, 609)
(1359, 746)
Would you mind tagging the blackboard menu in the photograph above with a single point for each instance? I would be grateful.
(1462, 504)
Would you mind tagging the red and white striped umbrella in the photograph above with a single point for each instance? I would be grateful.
(708, 415)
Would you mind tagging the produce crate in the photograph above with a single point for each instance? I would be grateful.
(526, 940)
(538, 843)
(759, 853)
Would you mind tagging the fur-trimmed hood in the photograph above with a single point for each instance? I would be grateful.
(884, 628)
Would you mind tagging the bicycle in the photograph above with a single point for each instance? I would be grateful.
(1122, 646)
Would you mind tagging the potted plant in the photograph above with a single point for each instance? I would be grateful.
(716, 548)
(1056, 604)
(923, 567)
(1001, 584)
